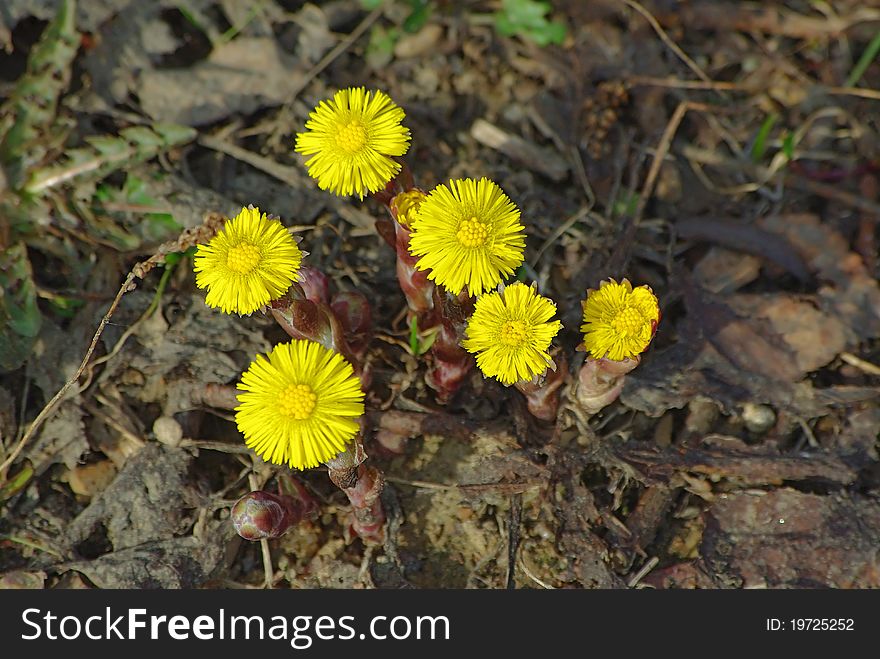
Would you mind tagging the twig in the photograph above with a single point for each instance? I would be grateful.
(207, 445)
(861, 364)
(328, 59)
(667, 40)
(714, 85)
(187, 238)
(663, 149)
(559, 231)
(56, 399)
(288, 175)
(638, 576)
(531, 575)
(513, 538)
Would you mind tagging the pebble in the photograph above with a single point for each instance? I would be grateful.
(420, 43)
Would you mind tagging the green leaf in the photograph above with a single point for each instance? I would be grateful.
(760, 145)
(421, 11)
(625, 205)
(20, 317)
(528, 18)
(425, 345)
(380, 49)
(414, 335)
(370, 5)
(17, 483)
(28, 117)
(864, 62)
(66, 307)
(107, 153)
(788, 145)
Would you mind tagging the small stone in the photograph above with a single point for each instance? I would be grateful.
(758, 418)
(420, 43)
(167, 431)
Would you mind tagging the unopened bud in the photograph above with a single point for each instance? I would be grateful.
(353, 311)
(315, 284)
(259, 515)
(405, 206)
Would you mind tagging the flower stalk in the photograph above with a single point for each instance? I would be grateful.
(600, 382)
(363, 486)
(450, 363)
(416, 287)
(542, 391)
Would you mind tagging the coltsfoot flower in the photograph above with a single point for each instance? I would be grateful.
(619, 320)
(468, 234)
(406, 206)
(352, 138)
(251, 261)
(510, 333)
(300, 404)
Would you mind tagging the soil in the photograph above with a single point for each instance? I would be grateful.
(724, 154)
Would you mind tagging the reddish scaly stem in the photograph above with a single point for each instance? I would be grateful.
(451, 363)
(363, 486)
(542, 391)
(600, 382)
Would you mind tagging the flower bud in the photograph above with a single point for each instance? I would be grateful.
(259, 515)
(315, 284)
(353, 311)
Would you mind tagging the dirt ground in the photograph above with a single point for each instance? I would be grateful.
(724, 153)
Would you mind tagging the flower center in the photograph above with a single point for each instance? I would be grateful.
(297, 401)
(352, 137)
(513, 332)
(243, 258)
(472, 233)
(628, 321)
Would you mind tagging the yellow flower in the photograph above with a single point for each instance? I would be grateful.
(351, 138)
(251, 261)
(468, 234)
(405, 206)
(619, 320)
(510, 332)
(300, 405)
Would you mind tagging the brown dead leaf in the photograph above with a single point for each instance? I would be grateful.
(240, 76)
(589, 565)
(852, 295)
(731, 458)
(815, 338)
(149, 500)
(723, 271)
(746, 342)
(790, 539)
(22, 580)
(62, 438)
(745, 238)
(185, 562)
(91, 479)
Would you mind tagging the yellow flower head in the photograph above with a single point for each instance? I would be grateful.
(468, 234)
(351, 139)
(405, 206)
(251, 261)
(619, 320)
(300, 406)
(510, 332)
